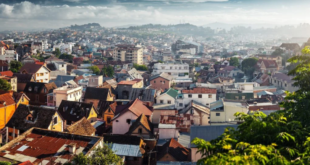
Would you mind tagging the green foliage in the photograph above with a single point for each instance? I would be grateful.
(280, 138)
(140, 67)
(15, 66)
(234, 61)
(206, 68)
(248, 66)
(108, 71)
(196, 64)
(160, 61)
(5, 85)
(57, 52)
(42, 59)
(278, 52)
(101, 156)
(110, 58)
(87, 62)
(95, 69)
(66, 57)
(5, 163)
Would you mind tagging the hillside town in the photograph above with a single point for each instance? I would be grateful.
(147, 91)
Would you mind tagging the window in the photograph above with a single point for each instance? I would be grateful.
(163, 82)
(140, 130)
(189, 95)
(237, 97)
(218, 114)
(29, 118)
(200, 96)
(55, 120)
(154, 81)
(285, 85)
(243, 97)
(128, 121)
(29, 89)
(41, 74)
(170, 67)
(169, 101)
(45, 90)
(109, 119)
(116, 120)
(23, 99)
(38, 74)
(209, 96)
(181, 104)
(37, 97)
(161, 101)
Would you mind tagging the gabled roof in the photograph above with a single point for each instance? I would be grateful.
(31, 68)
(195, 106)
(7, 99)
(283, 77)
(142, 94)
(37, 87)
(17, 96)
(136, 107)
(171, 92)
(105, 105)
(7, 73)
(73, 110)
(175, 149)
(97, 93)
(3, 63)
(264, 107)
(142, 120)
(42, 117)
(82, 127)
(61, 79)
(23, 78)
(51, 66)
(268, 63)
(290, 46)
(162, 75)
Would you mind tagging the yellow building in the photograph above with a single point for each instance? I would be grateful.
(223, 111)
(7, 108)
(28, 116)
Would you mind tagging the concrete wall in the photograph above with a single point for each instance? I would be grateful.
(42, 75)
(120, 125)
(160, 83)
(165, 98)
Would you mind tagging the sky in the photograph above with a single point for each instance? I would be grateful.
(47, 14)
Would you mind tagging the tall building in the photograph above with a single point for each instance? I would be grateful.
(130, 53)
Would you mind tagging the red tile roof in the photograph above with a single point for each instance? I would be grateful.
(175, 149)
(136, 107)
(7, 98)
(127, 83)
(39, 63)
(268, 63)
(7, 73)
(200, 90)
(26, 163)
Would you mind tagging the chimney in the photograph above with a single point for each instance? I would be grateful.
(72, 148)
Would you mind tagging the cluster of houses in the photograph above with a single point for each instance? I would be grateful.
(55, 111)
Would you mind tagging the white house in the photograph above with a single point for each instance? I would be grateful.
(168, 97)
(68, 92)
(167, 131)
(204, 96)
(40, 72)
(175, 69)
(62, 66)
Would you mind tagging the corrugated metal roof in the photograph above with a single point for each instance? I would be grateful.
(208, 133)
(216, 104)
(126, 150)
(166, 126)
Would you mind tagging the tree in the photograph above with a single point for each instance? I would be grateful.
(234, 61)
(108, 71)
(66, 57)
(5, 85)
(248, 66)
(15, 66)
(280, 138)
(140, 67)
(95, 69)
(101, 156)
(57, 52)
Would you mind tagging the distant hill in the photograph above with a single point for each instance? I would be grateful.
(85, 26)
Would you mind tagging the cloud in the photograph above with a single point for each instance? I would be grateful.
(29, 15)
(75, 1)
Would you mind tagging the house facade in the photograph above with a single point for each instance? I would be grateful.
(69, 92)
(40, 72)
(204, 96)
(161, 81)
(168, 97)
(283, 81)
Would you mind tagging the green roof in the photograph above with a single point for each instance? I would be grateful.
(232, 96)
(172, 92)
